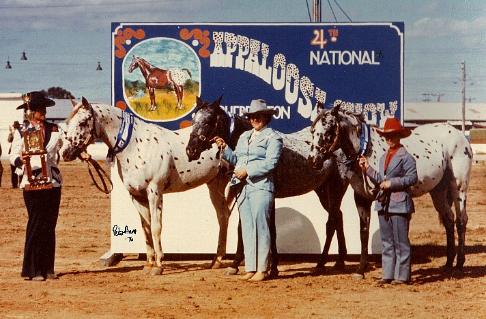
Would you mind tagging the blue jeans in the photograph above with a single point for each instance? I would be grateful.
(255, 206)
(395, 255)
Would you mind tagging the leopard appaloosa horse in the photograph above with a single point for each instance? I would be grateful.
(443, 158)
(151, 162)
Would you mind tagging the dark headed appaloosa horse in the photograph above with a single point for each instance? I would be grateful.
(293, 175)
(443, 156)
(156, 78)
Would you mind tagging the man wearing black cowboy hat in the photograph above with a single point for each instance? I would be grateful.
(42, 204)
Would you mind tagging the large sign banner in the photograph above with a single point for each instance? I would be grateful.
(158, 70)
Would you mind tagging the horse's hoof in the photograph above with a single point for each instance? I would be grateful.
(216, 264)
(358, 276)
(147, 269)
(459, 271)
(273, 274)
(339, 265)
(230, 271)
(317, 271)
(156, 271)
(447, 269)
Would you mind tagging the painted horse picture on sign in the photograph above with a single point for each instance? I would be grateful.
(161, 79)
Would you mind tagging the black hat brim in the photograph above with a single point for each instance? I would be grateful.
(34, 104)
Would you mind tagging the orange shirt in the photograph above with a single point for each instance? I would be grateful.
(389, 155)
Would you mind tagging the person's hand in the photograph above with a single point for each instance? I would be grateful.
(363, 163)
(241, 173)
(24, 158)
(84, 156)
(385, 185)
(219, 141)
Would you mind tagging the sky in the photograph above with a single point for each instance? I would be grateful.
(64, 40)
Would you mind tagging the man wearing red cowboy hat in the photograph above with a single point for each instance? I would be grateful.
(397, 173)
(42, 204)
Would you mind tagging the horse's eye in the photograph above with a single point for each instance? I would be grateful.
(202, 138)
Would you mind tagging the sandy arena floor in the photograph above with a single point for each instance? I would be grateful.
(87, 289)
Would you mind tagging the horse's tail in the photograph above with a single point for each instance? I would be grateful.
(188, 72)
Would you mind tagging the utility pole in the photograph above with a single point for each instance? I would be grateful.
(316, 11)
(463, 69)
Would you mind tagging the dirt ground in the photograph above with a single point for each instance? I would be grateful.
(87, 289)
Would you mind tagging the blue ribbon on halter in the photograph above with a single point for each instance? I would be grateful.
(364, 139)
(232, 124)
(124, 135)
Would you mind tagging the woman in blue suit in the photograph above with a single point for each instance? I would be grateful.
(255, 157)
(397, 173)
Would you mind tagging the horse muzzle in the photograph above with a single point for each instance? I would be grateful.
(192, 154)
(315, 162)
(70, 154)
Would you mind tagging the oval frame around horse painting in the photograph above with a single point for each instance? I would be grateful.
(161, 79)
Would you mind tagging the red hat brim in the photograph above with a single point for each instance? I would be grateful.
(403, 132)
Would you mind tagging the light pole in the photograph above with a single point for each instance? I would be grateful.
(463, 68)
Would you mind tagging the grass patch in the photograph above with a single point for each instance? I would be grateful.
(166, 102)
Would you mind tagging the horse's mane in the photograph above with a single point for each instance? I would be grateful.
(318, 118)
(358, 117)
(73, 112)
(145, 61)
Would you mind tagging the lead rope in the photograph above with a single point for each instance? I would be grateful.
(85, 157)
(370, 191)
(220, 164)
(220, 157)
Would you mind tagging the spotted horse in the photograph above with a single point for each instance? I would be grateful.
(151, 164)
(157, 78)
(443, 158)
(293, 176)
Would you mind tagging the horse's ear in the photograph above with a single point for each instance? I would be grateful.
(218, 101)
(85, 102)
(199, 102)
(335, 109)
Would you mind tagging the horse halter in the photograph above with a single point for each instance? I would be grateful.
(212, 133)
(133, 65)
(82, 147)
(323, 150)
